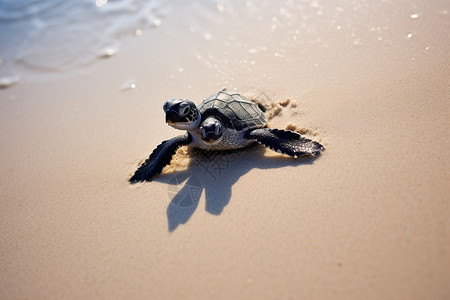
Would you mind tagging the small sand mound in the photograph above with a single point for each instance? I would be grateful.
(285, 103)
(274, 112)
(276, 109)
(180, 161)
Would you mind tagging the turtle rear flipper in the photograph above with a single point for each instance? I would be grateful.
(285, 142)
(159, 158)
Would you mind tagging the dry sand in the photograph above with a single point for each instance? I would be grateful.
(368, 219)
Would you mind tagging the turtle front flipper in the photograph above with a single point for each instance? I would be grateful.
(285, 142)
(159, 158)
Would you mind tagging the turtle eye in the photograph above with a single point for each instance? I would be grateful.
(165, 106)
(218, 129)
(183, 110)
(203, 132)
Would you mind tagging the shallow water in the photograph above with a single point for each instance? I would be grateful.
(42, 38)
(58, 35)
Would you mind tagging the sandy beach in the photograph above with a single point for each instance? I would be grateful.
(367, 219)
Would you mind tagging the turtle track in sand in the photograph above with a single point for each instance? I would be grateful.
(283, 112)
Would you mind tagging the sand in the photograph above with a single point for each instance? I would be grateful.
(367, 219)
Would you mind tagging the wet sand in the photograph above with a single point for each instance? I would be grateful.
(369, 218)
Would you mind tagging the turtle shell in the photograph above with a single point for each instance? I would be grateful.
(236, 111)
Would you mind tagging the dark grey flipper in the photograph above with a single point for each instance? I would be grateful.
(286, 142)
(160, 158)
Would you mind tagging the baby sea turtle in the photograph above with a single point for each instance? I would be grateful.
(224, 121)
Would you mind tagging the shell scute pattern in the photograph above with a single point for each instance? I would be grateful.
(237, 112)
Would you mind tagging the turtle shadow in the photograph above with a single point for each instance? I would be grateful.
(215, 173)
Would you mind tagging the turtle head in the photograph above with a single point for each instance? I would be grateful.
(211, 130)
(181, 114)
